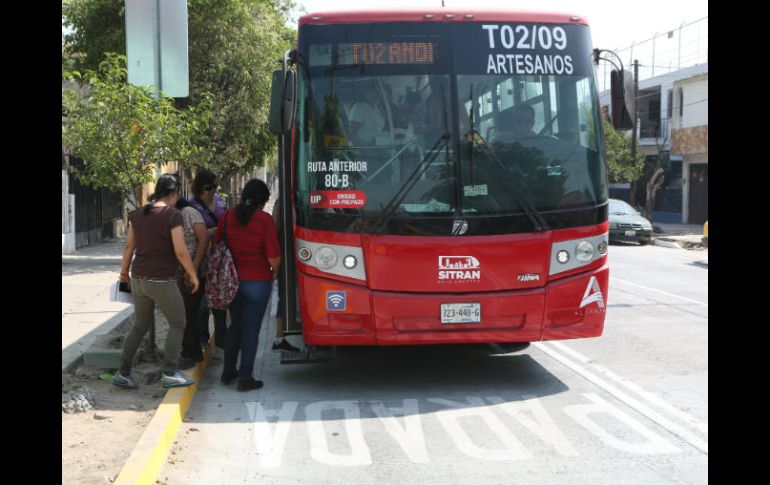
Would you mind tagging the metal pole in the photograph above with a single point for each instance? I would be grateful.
(636, 109)
(152, 348)
(679, 51)
(158, 77)
(287, 223)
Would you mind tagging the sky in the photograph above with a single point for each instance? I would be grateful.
(615, 24)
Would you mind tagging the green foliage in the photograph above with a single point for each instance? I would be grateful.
(122, 132)
(99, 26)
(234, 47)
(622, 167)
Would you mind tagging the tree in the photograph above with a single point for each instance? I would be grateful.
(122, 132)
(658, 178)
(621, 165)
(234, 46)
(97, 27)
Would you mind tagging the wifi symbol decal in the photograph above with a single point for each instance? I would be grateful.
(335, 300)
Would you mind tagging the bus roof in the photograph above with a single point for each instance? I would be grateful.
(438, 14)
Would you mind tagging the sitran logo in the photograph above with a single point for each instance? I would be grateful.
(458, 268)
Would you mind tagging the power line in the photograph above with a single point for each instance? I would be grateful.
(666, 32)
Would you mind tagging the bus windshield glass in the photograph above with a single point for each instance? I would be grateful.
(426, 122)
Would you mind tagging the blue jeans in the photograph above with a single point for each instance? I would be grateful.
(220, 320)
(247, 310)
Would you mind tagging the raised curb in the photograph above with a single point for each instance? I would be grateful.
(666, 244)
(69, 363)
(100, 355)
(148, 456)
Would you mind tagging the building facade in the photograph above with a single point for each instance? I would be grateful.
(673, 125)
(690, 142)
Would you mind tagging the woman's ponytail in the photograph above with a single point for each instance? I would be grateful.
(167, 184)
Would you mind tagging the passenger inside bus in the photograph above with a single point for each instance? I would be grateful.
(367, 119)
(517, 127)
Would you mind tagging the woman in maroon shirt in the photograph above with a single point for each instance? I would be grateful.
(253, 242)
(154, 250)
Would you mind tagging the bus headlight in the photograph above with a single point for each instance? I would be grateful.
(602, 248)
(349, 261)
(584, 252)
(562, 256)
(326, 258)
(304, 254)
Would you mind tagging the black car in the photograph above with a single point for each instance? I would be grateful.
(626, 224)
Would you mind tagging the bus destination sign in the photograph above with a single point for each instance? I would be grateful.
(393, 53)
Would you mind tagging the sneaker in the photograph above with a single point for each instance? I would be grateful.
(284, 346)
(248, 384)
(228, 377)
(124, 381)
(186, 363)
(177, 379)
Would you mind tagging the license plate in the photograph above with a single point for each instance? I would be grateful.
(461, 313)
(631, 233)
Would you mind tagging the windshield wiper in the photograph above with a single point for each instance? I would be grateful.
(529, 209)
(393, 204)
(387, 164)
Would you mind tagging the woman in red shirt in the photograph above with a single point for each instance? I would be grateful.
(253, 242)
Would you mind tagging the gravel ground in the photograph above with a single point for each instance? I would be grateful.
(101, 423)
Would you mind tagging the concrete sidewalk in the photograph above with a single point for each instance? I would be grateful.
(86, 310)
(685, 236)
(679, 229)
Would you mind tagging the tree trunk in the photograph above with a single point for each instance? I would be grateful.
(632, 194)
(225, 187)
(653, 185)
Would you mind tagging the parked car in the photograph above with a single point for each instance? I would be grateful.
(626, 224)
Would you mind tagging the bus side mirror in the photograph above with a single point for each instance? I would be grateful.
(623, 103)
(282, 103)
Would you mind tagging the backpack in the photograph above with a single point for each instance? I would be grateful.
(221, 277)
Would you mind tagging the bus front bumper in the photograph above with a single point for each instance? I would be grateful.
(337, 313)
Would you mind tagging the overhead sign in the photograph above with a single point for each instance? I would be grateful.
(522, 49)
(156, 45)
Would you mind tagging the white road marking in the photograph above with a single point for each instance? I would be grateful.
(409, 437)
(458, 421)
(648, 396)
(319, 446)
(659, 291)
(542, 425)
(512, 449)
(270, 445)
(639, 407)
(655, 443)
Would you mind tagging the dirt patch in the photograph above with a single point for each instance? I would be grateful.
(97, 442)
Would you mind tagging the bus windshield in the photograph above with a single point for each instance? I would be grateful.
(430, 121)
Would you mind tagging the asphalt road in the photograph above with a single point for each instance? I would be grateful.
(629, 407)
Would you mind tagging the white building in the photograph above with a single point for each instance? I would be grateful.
(673, 122)
(690, 141)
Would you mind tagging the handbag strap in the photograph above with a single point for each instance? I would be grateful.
(205, 207)
(224, 231)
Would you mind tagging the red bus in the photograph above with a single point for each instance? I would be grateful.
(447, 176)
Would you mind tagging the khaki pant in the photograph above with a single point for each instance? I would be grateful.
(167, 296)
